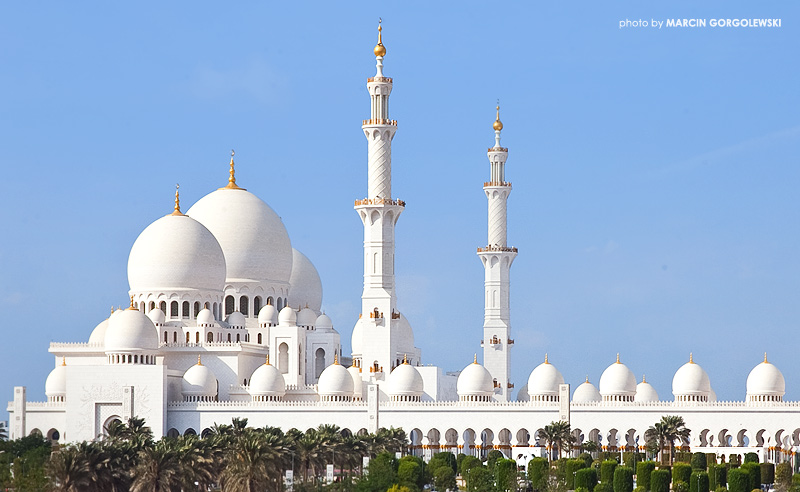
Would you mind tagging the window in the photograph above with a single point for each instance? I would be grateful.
(187, 337)
(196, 309)
(256, 305)
(244, 305)
(197, 337)
(259, 338)
(210, 337)
(163, 307)
(173, 309)
(229, 305)
(185, 310)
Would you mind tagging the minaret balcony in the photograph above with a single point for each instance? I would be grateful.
(511, 341)
(510, 385)
(380, 201)
(495, 248)
(379, 121)
(496, 183)
(388, 80)
(497, 149)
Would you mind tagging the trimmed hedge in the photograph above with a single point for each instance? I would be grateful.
(699, 462)
(607, 471)
(783, 475)
(643, 471)
(681, 472)
(738, 480)
(680, 486)
(717, 476)
(750, 458)
(767, 473)
(587, 478)
(711, 459)
(754, 470)
(623, 479)
(571, 467)
(538, 473)
(699, 482)
(659, 481)
(604, 487)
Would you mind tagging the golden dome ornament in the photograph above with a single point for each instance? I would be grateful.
(380, 49)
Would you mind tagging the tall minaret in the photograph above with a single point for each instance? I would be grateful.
(378, 341)
(497, 258)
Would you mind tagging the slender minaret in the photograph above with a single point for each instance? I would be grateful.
(497, 258)
(380, 346)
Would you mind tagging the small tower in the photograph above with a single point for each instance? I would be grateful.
(497, 257)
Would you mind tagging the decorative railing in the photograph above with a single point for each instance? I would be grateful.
(497, 248)
(380, 79)
(497, 149)
(496, 183)
(75, 345)
(380, 201)
(200, 344)
(379, 121)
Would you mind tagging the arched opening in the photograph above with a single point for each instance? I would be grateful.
(244, 304)
(53, 435)
(319, 362)
(237, 338)
(270, 301)
(173, 433)
(173, 309)
(185, 309)
(283, 358)
(187, 337)
(280, 304)
(229, 305)
(229, 337)
(256, 305)
(209, 337)
(196, 308)
(197, 337)
(166, 336)
(163, 307)
(174, 337)
(190, 432)
(152, 306)
(259, 338)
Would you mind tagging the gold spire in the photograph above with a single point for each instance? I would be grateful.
(232, 178)
(691, 360)
(112, 311)
(475, 360)
(380, 49)
(545, 358)
(177, 210)
(63, 361)
(587, 378)
(132, 307)
(405, 359)
(498, 125)
(617, 357)
(643, 379)
(267, 362)
(199, 362)
(765, 358)
(335, 359)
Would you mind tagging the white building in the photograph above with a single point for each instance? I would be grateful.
(225, 321)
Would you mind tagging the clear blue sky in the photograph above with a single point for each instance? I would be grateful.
(655, 172)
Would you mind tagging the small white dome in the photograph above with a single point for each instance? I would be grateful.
(586, 392)
(765, 380)
(306, 317)
(130, 330)
(199, 381)
(287, 317)
(617, 381)
(405, 380)
(712, 395)
(99, 333)
(56, 384)
(403, 335)
(236, 320)
(253, 238)
(645, 393)
(335, 381)
(268, 315)
(205, 317)
(544, 380)
(691, 380)
(355, 373)
(522, 394)
(176, 252)
(267, 380)
(305, 286)
(355, 339)
(475, 380)
(324, 322)
(157, 316)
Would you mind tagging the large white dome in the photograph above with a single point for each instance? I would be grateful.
(405, 381)
(335, 382)
(691, 381)
(130, 330)
(199, 381)
(586, 392)
(765, 380)
(252, 236)
(358, 390)
(645, 393)
(305, 286)
(173, 253)
(99, 333)
(618, 382)
(475, 381)
(267, 380)
(544, 380)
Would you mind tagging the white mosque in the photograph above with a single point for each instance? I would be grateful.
(225, 321)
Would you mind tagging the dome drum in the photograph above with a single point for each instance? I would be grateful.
(475, 384)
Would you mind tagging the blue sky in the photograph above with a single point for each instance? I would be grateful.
(655, 171)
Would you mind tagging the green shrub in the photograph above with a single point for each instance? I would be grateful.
(492, 458)
(659, 481)
(733, 459)
(604, 487)
(587, 459)
(750, 458)
(738, 480)
(796, 479)
(767, 473)
(783, 476)
(683, 457)
(505, 475)
(538, 473)
(467, 463)
(623, 479)
(480, 479)
(717, 476)
(721, 489)
(571, 467)
(643, 471)
(409, 472)
(711, 459)
(699, 462)
(680, 486)
(586, 478)
(581, 489)
(699, 482)
(444, 478)
(754, 470)
(639, 488)
(607, 471)
(681, 472)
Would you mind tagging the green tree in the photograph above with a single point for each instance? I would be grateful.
(681, 472)
(738, 480)
(479, 479)
(68, 470)
(623, 479)
(586, 478)
(505, 475)
(698, 482)
(607, 468)
(539, 473)
(699, 462)
(783, 477)
(659, 481)
(667, 431)
(444, 478)
(409, 472)
(643, 471)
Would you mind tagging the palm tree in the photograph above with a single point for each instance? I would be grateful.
(68, 470)
(555, 435)
(254, 464)
(159, 468)
(670, 428)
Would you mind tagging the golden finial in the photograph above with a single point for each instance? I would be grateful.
(177, 210)
(132, 306)
(232, 177)
(199, 362)
(405, 359)
(765, 358)
(587, 378)
(335, 359)
(545, 358)
(63, 361)
(475, 360)
(617, 357)
(112, 311)
(380, 49)
(691, 360)
(498, 125)
(644, 380)
(267, 362)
